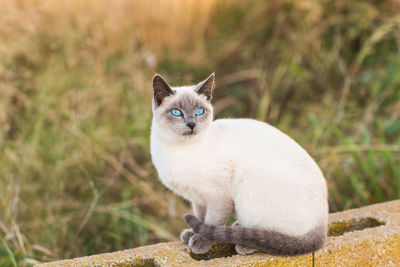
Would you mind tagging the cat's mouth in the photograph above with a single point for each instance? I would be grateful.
(192, 132)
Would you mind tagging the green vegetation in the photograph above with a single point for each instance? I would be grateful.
(76, 176)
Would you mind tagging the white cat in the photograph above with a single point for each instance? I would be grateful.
(276, 189)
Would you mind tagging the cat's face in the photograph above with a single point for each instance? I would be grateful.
(182, 113)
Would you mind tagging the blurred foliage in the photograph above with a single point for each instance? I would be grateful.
(76, 176)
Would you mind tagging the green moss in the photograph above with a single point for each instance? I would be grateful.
(216, 251)
(145, 263)
(339, 228)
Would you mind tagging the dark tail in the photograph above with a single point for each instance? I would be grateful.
(270, 242)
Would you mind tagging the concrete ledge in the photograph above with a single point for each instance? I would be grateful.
(369, 236)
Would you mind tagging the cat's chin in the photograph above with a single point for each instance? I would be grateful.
(191, 136)
(189, 133)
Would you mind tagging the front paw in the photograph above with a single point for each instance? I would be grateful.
(199, 244)
(186, 235)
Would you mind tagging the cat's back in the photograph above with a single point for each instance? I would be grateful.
(249, 131)
(243, 126)
(251, 141)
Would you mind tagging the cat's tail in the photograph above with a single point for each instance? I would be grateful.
(267, 241)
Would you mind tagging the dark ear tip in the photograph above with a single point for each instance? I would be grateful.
(211, 78)
(156, 76)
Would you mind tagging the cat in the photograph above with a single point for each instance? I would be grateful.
(276, 189)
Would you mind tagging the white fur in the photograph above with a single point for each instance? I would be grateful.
(270, 180)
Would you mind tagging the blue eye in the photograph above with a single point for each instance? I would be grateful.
(176, 112)
(199, 111)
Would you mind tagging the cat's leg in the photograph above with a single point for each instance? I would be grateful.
(235, 224)
(200, 212)
(241, 249)
(217, 213)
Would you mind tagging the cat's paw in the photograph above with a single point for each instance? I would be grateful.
(199, 244)
(186, 235)
(244, 250)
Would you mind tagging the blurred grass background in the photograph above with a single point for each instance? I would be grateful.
(75, 90)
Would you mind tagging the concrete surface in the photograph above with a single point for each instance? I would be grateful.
(369, 236)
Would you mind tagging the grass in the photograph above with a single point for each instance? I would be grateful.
(75, 90)
(11, 257)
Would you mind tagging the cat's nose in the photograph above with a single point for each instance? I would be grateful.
(191, 125)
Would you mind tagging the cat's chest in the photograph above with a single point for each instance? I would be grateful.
(192, 172)
(184, 165)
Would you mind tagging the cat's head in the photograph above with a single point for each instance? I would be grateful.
(182, 113)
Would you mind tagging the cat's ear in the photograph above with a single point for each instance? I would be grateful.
(206, 87)
(161, 89)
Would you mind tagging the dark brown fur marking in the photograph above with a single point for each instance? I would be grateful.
(188, 105)
(206, 87)
(161, 89)
(267, 241)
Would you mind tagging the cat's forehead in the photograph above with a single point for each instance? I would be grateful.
(186, 97)
(184, 89)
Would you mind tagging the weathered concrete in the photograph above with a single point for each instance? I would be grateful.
(378, 245)
(369, 236)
